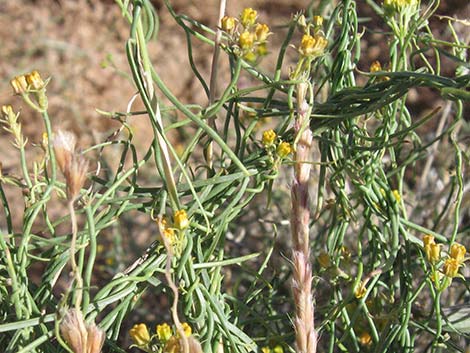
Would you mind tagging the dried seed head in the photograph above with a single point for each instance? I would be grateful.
(64, 147)
(75, 175)
(96, 337)
(81, 337)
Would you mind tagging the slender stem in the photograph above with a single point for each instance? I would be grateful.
(73, 263)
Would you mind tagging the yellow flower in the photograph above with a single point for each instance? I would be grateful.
(284, 149)
(19, 84)
(261, 32)
(262, 49)
(451, 267)
(265, 349)
(268, 137)
(433, 252)
(457, 252)
(365, 339)
(246, 40)
(317, 21)
(249, 56)
(398, 5)
(228, 23)
(187, 329)
(312, 46)
(278, 349)
(140, 334)
(35, 80)
(324, 260)
(397, 195)
(248, 17)
(180, 219)
(163, 332)
(428, 239)
(375, 66)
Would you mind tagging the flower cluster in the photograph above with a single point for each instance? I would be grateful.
(31, 83)
(392, 6)
(312, 44)
(165, 339)
(282, 149)
(449, 269)
(173, 231)
(247, 37)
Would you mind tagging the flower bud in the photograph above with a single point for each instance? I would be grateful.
(19, 84)
(457, 252)
(284, 149)
(248, 17)
(228, 24)
(164, 332)
(268, 138)
(35, 80)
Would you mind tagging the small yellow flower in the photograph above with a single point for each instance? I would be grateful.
(451, 267)
(140, 334)
(398, 5)
(261, 32)
(268, 138)
(365, 339)
(7, 110)
(35, 80)
(228, 24)
(266, 349)
(284, 149)
(187, 329)
(109, 261)
(278, 349)
(246, 40)
(457, 252)
(324, 260)
(248, 17)
(433, 252)
(375, 66)
(19, 84)
(428, 239)
(312, 46)
(163, 332)
(397, 195)
(180, 219)
(262, 49)
(250, 56)
(317, 21)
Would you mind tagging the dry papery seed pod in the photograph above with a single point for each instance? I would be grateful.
(80, 336)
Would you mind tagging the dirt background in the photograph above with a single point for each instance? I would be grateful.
(80, 45)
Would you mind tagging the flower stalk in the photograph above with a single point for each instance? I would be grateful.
(306, 336)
